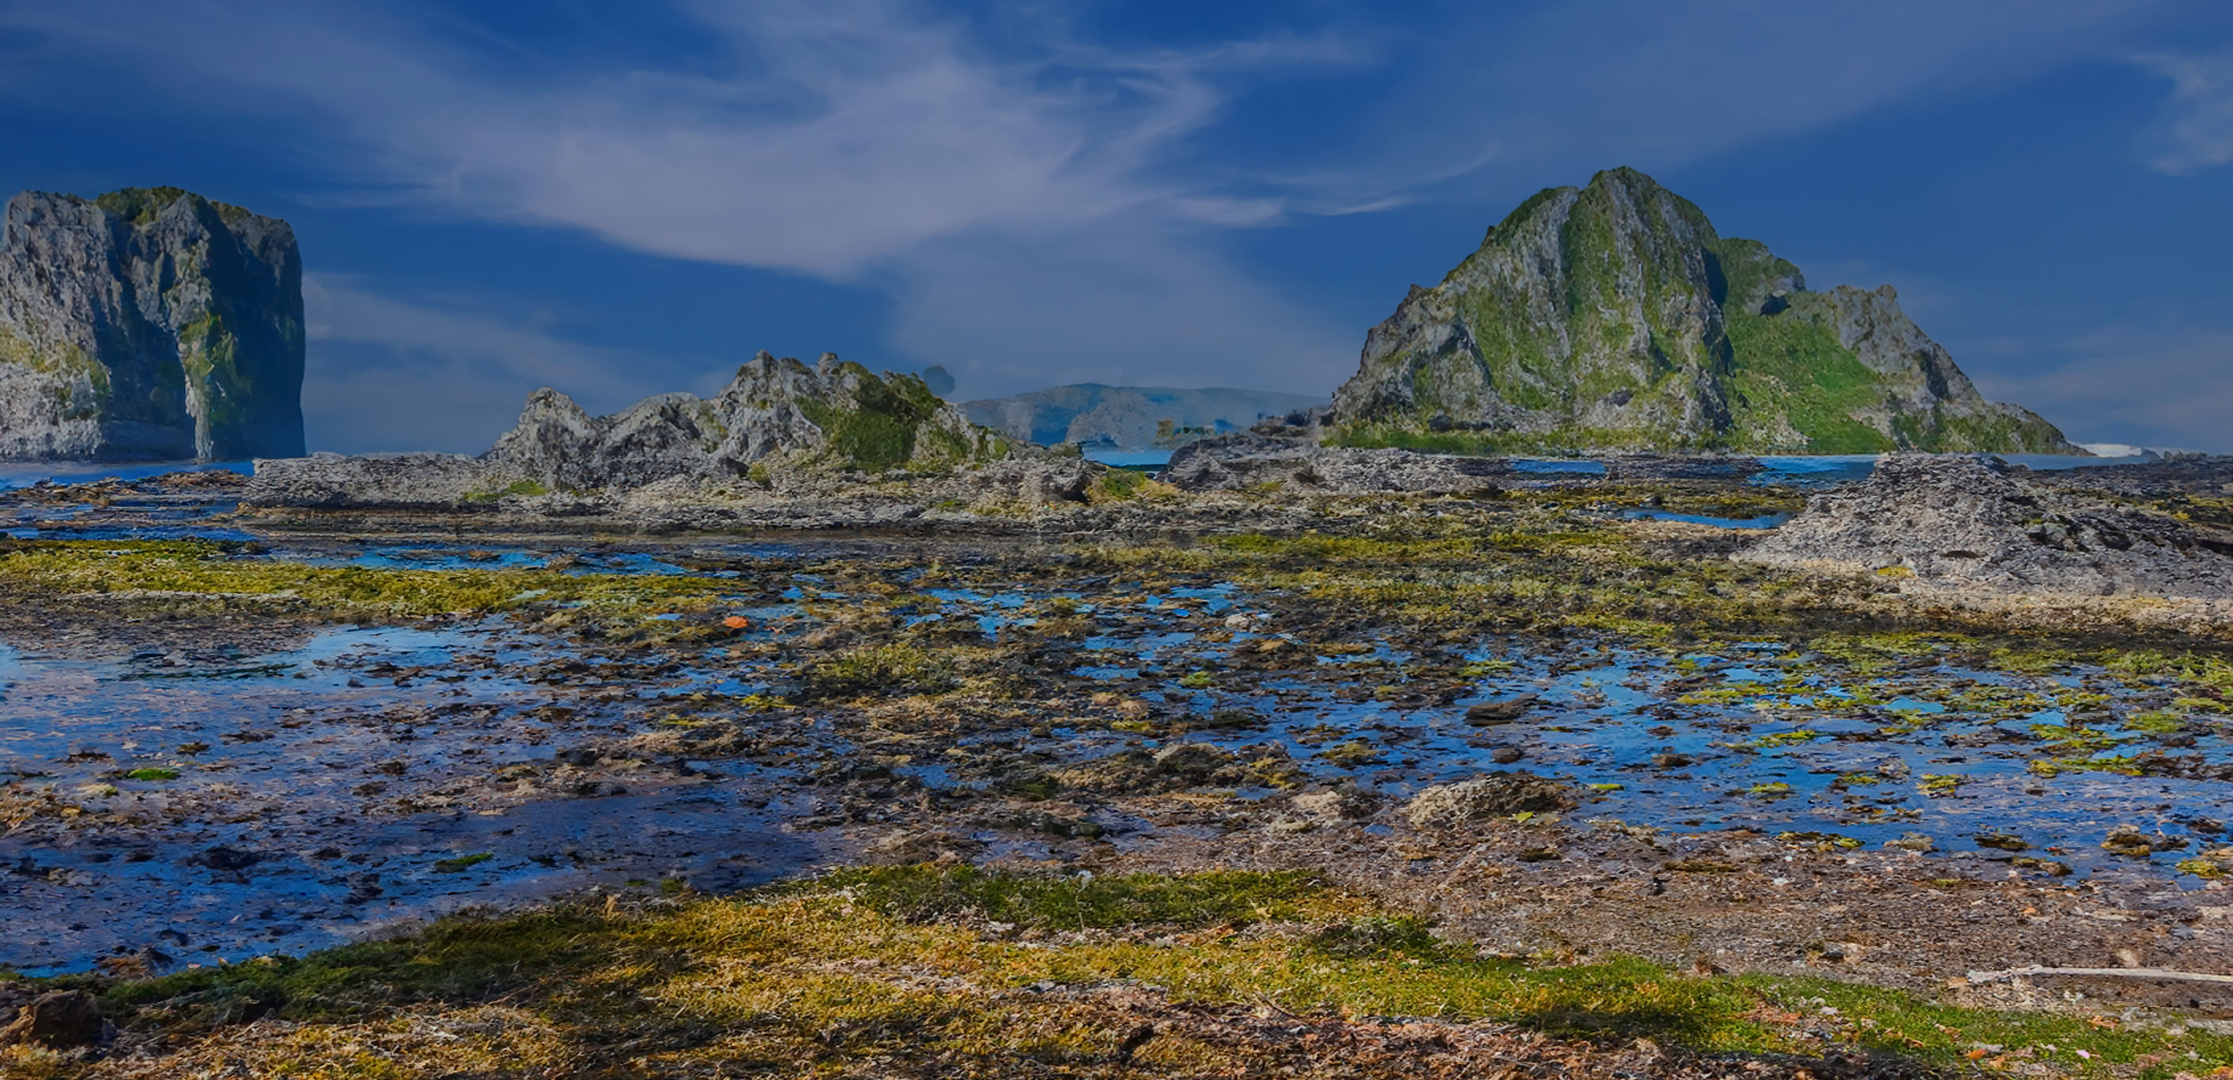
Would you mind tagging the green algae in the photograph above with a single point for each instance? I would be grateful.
(156, 571)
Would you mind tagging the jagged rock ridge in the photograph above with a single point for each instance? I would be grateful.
(149, 323)
(778, 419)
(1614, 317)
(832, 415)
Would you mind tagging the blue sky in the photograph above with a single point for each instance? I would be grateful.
(623, 199)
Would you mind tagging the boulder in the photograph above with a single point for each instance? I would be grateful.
(60, 1019)
(1500, 712)
(1494, 795)
(1972, 521)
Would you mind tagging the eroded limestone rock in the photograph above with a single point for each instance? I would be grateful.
(779, 425)
(148, 324)
(1962, 519)
(1260, 462)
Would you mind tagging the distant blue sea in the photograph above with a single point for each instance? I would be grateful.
(1781, 469)
(1793, 469)
(26, 473)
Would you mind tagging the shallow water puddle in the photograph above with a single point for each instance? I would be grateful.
(1762, 521)
(224, 807)
(1778, 742)
(243, 804)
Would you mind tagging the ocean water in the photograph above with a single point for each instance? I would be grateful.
(25, 474)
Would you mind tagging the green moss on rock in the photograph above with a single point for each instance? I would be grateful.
(1614, 317)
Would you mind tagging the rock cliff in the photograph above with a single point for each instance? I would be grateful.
(148, 323)
(1614, 317)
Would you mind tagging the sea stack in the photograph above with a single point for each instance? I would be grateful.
(148, 324)
(1614, 317)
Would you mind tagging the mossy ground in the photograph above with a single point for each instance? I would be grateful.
(931, 971)
(950, 971)
(195, 575)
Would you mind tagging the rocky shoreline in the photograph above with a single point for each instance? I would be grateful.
(1559, 717)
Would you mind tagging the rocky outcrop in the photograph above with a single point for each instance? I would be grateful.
(778, 424)
(1656, 468)
(1614, 317)
(1130, 417)
(148, 324)
(1261, 463)
(1970, 521)
(832, 416)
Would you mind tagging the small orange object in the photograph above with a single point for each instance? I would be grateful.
(736, 622)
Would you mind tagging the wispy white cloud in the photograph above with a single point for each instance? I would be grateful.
(849, 131)
(1041, 212)
(2197, 128)
(1126, 305)
(1552, 93)
(2139, 385)
(851, 140)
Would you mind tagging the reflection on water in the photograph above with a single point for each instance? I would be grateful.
(1776, 738)
(253, 803)
(1763, 521)
(234, 805)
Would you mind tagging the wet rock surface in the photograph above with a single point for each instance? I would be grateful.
(1474, 801)
(188, 779)
(1972, 520)
(338, 781)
